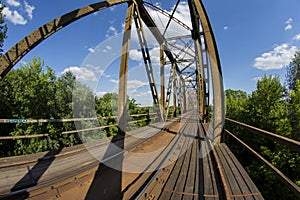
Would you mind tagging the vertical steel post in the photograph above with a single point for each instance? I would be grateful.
(169, 90)
(174, 97)
(184, 96)
(123, 73)
(147, 61)
(216, 72)
(199, 63)
(162, 81)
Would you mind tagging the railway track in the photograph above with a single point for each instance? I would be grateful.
(176, 162)
(23, 176)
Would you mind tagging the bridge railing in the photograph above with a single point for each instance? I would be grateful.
(148, 116)
(293, 144)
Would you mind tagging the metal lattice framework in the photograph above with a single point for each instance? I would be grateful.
(193, 59)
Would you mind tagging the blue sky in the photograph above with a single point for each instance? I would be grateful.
(254, 38)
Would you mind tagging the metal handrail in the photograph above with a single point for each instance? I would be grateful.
(293, 144)
(293, 187)
(63, 133)
(13, 121)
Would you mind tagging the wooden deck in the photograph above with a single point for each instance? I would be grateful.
(202, 172)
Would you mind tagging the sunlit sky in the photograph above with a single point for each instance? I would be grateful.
(253, 37)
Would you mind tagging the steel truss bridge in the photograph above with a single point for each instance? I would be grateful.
(183, 157)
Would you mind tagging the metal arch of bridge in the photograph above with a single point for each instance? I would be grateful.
(206, 57)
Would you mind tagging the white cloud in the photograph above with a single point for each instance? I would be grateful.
(144, 94)
(136, 55)
(289, 25)
(113, 81)
(13, 3)
(91, 50)
(29, 9)
(289, 21)
(297, 37)
(108, 47)
(13, 16)
(112, 31)
(82, 74)
(86, 73)
(101, 94)
(257, 78)
(225, 27)
(133, 84)
(278, 58)
(183, 13)
(96, 69)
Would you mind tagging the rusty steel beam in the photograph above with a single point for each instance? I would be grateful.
(162, 82)
(183, 49)
(171, 78)
(184, 96)
(123, 73)
(19, 50)
(156, 33)
(167, 15)
(174, 97)
(147, 59)
(199, 62)
(171, 17)
(215, 66)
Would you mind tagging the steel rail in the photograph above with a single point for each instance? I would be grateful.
(291, 185)
(293, 144)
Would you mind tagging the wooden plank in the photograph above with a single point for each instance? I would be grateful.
(236, 184)
(198, 186)
(181, 181)
(172, 180)
(229, 176)
(243, 174)
(210, 187)
(191, 177)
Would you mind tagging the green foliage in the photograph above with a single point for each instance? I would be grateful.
(236, 101)
(107, 105)
(32, 92)
(295, 110)
(3, 28)
(267, 108)
(293, 72)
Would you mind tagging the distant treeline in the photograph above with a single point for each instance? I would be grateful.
(276, 108)
(34, 92)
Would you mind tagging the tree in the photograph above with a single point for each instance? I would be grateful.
(236, 101)
(293, 71)
(34, 92)
(295, 111)
(268, 109)
(267, 105)
(3, 28)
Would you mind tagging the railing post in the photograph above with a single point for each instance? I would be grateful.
(123, 73)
